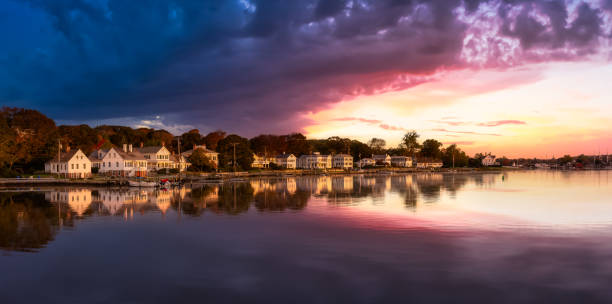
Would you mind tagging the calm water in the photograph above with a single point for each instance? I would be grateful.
(533, 237)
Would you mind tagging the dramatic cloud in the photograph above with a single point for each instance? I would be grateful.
(256, 66)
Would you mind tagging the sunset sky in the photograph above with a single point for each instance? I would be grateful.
(512, 77)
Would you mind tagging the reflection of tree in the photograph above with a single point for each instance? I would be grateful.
(200, 198)
(270, 200)
(28, 222)
(235, 198)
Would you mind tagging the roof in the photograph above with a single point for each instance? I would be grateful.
(428, 160)
(284, 155)
(366, 159)
(93, 156)
(134, 155)
(380, 155)
(189, 152)
(175, 158)
(400, 156)
(342, 155)
(65, 156)
(153, 149)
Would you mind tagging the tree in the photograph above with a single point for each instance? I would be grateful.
(410, 142)
(566, 159)
(377, 145)
(338, 145)
(360, 150)
(431, 148)
(190, 139)
(451, 153)
(244, 155)
(200, 162)
(297, 144)
(212, 139)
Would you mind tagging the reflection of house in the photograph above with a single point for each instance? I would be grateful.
(382, 159)
(343, 161)
(288, 161)
(71, 164)
(365, 162)
(212, 155)
(314, 161)
(488, 160)
(126, 162)
(401, 161)
(428, 163)
(78, 199)
(342, 183)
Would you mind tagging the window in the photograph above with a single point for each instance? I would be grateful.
(71, 166)
(117, 164)
(84, 166)
(103, 164)
(77, 166)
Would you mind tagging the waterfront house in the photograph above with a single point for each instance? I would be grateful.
(314, 161)
(488, 160)
(287, 161)
(342, 161)
(401, 161)
(70, 164)
(123, 162)
(260, 162)
(96, 157)
(429, 163)
(179, 162)
(158, 157)
(210, 154)
(382, 159)
(366, 162)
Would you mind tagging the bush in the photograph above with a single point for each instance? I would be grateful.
(95, 170)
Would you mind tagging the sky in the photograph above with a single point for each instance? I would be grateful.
(517, 78)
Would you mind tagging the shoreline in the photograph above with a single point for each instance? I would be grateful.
(200, 178)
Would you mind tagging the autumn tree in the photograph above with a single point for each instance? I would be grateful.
(200, 162)
(431, 148)
(212, 139)
(244, 155)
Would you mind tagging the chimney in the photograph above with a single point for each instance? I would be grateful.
(124, 147)
(67, 148)
(141, 144)
(163, 144)
(130, 148)
(194, 147)
(100, 153)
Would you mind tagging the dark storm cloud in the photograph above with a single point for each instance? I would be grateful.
(246, 66)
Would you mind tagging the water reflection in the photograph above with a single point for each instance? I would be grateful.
(30, 219)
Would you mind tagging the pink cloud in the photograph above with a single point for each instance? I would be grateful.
(365, 120)
(391, 128)
(451, 123)
(501, 122)
(465, 132)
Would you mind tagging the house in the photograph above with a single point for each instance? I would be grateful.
(96, 157)
(488, 160)
(122, 162)
(382, 159)
(70, 164)
(401, 161)
(212, 155)
(158, 157)
(180, 162)
(366, 162)
(429, 163)
(260, 161)
(342, 161)
(314, 161)
(288, 161)
(77, 199)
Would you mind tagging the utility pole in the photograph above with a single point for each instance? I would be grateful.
(57, 165)
(234, 144)
(179, 157)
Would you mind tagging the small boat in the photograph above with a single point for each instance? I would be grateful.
(139, 183)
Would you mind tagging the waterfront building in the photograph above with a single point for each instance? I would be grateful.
(314, 161)
(342, 161)
(122, 162)
(260, 162)
(488, 160)
(70, 164)
(158, 157)
(77, 199)
(287, 161)
(365, 162)
(212, 155)
(429, 163)
(382, 159)
(401, 161)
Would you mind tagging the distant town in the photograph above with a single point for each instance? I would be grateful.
(32, 144)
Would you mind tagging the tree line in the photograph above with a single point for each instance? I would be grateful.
(28, 139)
